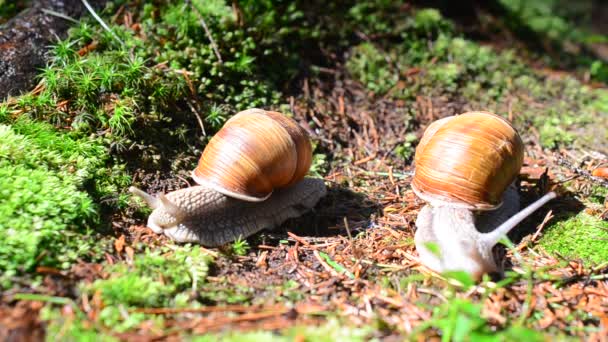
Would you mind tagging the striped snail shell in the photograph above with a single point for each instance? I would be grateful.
(255, 152)
(467, 161)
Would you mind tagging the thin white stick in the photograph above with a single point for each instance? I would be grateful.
(208, 33)
(103, 24)
(59, 15)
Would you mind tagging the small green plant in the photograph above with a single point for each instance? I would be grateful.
(319, 165)
(217, 116)
(462, 320)
(240, 246)
(407, 149)
(369, 65)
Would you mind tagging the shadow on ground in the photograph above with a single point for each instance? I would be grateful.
(328, 218)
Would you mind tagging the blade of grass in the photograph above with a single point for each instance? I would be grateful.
(337, 267)
(42, 298)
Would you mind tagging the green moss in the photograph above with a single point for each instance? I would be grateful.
(146, 76)
(62, 327)
(582, 236)
(76, 328)
(224, 292)
(44, 213)
(156, 278)
(370, 67)
(598, 194)
(240, 247)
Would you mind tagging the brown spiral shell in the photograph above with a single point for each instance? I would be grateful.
(255, 152)
(600, 172)
(467, 160)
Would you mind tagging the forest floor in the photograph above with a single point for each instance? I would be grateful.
(349, 269)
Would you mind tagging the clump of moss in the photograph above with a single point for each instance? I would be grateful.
(581, 236)
(180, 58)
(370, 66)
(72, 326)
(159, 278)
(155, 277)
(46, 214)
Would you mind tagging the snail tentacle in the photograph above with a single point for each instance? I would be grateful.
(149, 199)
(501, 231)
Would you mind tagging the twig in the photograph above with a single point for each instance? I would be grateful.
(43, 298)
(350, 238)
(395, 174)
(542, 225)
(299, 239)
(208, 33)
(579, 171)
(59, 15)
(101, 22)
(198, 117)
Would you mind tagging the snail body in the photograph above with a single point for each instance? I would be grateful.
(251, 177)
(466, 167)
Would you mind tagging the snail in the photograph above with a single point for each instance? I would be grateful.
(466, 167)
(251, 176)
(601, 172)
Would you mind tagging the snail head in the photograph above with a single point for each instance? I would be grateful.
(166, 214)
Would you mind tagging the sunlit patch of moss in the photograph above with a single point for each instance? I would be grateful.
(167, 277)
(62, 327)
(553, 132)
(127, 79)
(581, 236)
(370, 66)
(46, 215)
(155, 278)
(598, 194)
